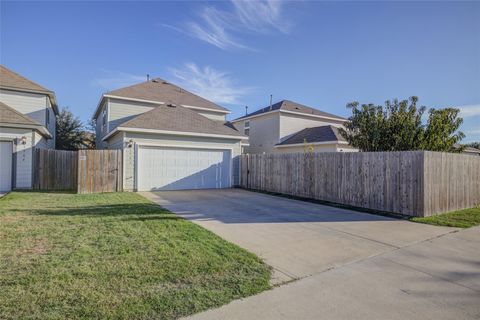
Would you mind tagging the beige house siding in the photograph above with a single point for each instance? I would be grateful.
(121, 111)
(292, 123)
(31, 104)
(41, 142)
(211, 115)
(264, 132)
(22, 155)
(51, 126)
(116, 142)
(100, 129)
(174, 141)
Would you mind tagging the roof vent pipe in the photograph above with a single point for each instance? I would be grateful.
(271, 102)
(246, 110)
(148, 77)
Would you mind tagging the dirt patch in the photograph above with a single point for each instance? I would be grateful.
(37, 247)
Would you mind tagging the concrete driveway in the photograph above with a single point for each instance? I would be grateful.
(349, 264)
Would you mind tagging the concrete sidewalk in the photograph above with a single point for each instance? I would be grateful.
(433, 279)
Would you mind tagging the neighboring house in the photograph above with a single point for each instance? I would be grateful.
(27, 121)
(468, 150)
(287, 127)
(171, 139)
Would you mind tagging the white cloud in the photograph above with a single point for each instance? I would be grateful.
(222, 28)
(213, 29)
(261, 15)
(470, 111)
(209, 83)
(110, 80)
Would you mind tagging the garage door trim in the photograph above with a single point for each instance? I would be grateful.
(176, 146)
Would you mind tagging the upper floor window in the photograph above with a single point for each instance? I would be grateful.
(246, 127)
(47, 116)
(104, 118)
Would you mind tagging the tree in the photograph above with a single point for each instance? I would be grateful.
(69, 131)
(475, 145)
(441, 130)
(89, 134)
(397, 126)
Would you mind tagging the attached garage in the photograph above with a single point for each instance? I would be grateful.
(6, 155)
(172, 168)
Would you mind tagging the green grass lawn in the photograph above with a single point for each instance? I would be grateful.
(461, 219)
(114, 256)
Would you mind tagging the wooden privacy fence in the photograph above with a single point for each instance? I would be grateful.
(417, 183)
(83, 171)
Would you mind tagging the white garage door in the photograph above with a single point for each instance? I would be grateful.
(5, 166)
(179, 168)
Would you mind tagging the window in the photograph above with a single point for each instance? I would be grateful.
(47, 116)
(104, 120)
(246, 128)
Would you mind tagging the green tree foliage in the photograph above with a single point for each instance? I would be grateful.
(89, 139)
(441, 131)
(475, 145)
(69, 131)
(397, 126)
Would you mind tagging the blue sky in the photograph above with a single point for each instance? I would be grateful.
(322, 54)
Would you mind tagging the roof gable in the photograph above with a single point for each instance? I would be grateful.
(181, 119)
(10, 115)
(163, 91)
(13, 81)
(313, 135)
(287, 105)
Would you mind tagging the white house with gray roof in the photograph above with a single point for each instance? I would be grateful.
(27, 121)
(289, 127)
(171, 139)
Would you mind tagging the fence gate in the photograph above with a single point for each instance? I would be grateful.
(83, 171)
(99, 171)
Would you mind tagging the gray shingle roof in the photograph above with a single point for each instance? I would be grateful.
(292, 106)
(177, 118)
(162, 91)
(10, 115)
(315, 134)
(13, 81)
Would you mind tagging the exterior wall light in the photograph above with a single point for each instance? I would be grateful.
(22, 140)
(130, 143)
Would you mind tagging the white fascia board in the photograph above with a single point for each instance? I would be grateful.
(41, 129)
(290, 112)
(313, 143)
(176, 133)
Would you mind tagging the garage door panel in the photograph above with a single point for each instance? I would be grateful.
(180, 168)
(5, 166)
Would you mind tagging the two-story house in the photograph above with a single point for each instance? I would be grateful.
(171, 139)
(289, 127)
(27, 121)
